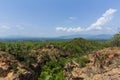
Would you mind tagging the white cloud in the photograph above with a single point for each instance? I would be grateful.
(10, 27)
(72, 18)
(70, 29)
(109, 12)
(4, 27)
(106, 17)
(98, 25)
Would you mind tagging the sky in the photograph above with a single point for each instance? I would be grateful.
(53, 18)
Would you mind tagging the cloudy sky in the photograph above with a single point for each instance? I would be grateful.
(51, 18)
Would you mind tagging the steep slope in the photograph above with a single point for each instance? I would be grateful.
(104, 65)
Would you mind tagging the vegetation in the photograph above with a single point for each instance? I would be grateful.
(75, 49)
(116, 40)
(53, 70)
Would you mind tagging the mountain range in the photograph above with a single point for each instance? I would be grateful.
(86, 36)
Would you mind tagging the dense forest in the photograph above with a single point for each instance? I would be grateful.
(56, 54)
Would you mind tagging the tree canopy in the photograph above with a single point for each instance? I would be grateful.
(116, 40)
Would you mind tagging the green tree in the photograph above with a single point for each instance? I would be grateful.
(116, 40)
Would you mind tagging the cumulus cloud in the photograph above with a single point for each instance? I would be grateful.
(70, 29)
(106, 17)
(98, 25)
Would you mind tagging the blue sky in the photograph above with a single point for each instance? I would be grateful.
(51, 18)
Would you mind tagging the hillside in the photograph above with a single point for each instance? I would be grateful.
(24, 60)
(56, 60)
(103, 65)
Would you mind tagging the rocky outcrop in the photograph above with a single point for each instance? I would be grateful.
(7, 67)
(104, 65)
(12, 69)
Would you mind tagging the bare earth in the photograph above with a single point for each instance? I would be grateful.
(104, 65)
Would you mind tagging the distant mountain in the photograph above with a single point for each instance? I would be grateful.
(88, 36)
(101, 36)
(28, 38)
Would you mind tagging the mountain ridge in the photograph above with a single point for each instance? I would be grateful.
(86, 36)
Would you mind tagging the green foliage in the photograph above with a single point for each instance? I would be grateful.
(13, 67)
(83, 60)
(19, 51)
(116, 40)
(20, 71)
(53, 70)
(81, 46)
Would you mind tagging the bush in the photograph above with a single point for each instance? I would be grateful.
(116, 40)
(53, 70)
(83, 60)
